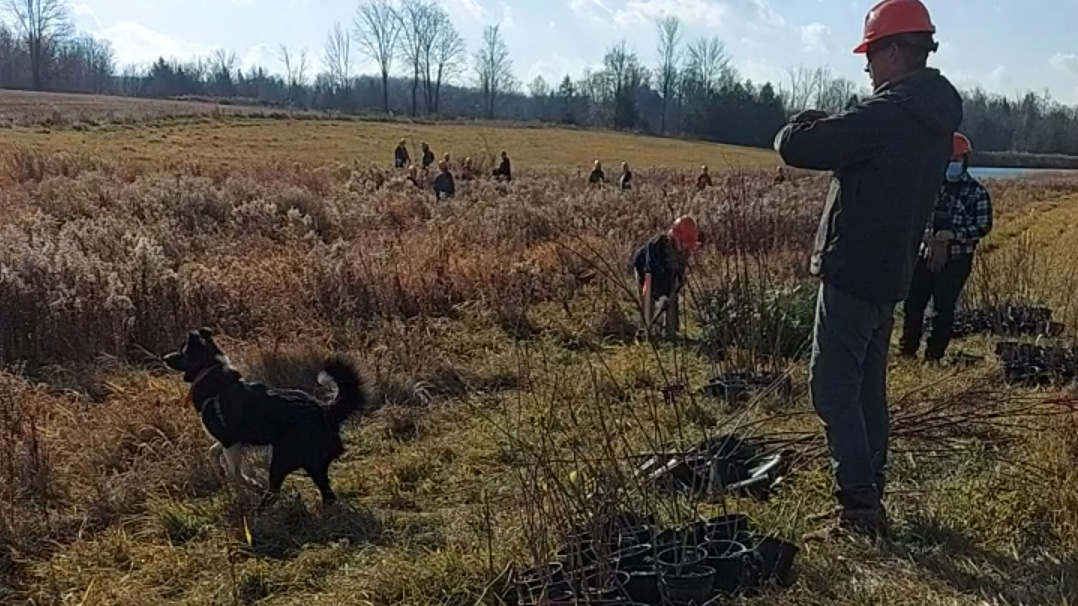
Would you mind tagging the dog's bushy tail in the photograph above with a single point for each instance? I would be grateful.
(352, 396)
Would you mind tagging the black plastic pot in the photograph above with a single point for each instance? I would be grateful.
(559, 594)
(643, 586)
(635, 535)
(686, 536)
(533, 581)
(776, 559)
(579, 551)
(726, 527)
(605, 587)
(676, 558)
(728, 560)
(631, 558)
(691, 584)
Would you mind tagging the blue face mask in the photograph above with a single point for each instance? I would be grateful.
(954, 171)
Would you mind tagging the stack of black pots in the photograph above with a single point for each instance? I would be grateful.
(699, 564)
(1037, 366)
(1006, 320)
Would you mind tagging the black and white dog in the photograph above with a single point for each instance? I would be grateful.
(301, 431)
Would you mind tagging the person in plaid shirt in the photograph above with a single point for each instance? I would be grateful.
(963, 217)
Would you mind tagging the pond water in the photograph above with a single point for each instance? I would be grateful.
(993, 172)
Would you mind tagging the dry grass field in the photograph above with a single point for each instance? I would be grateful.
(154, 133)
(500, 335)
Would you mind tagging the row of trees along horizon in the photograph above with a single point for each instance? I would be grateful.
(425, 69)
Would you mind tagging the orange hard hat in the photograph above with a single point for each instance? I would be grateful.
(893, 17)
(685, 234)
(962, 146)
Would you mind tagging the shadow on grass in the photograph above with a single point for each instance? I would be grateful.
(957, 560)
(284, 529)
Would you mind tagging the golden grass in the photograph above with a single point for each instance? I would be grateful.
(233, 142)
(150, 131)
(490, 325)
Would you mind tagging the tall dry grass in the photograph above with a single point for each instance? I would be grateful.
(104, 266)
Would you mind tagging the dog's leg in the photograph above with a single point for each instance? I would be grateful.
(217, 456)
(234, 465)
(278, 471)
(320, 475)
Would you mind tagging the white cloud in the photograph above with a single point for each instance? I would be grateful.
(768, 15)
(261, 55)
(555, 67)
(135, 43)
(1065, 62)
(998, 79)
(507, 16)
(84, 18)
(703, 13)
(471, 8)
(814, 37)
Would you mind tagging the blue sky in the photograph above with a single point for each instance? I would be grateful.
(1006, 46)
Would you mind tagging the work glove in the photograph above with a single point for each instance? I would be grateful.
(939, 250)
(809, 115)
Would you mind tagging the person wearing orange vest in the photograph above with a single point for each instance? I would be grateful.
(888, 155)
(660, 267)
(963, 217)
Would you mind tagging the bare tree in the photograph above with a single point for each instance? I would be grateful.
(622, 76)
(417, 37)
(295, 70)
(378, 29)
(797, 94)
(709, 63)
(493, 67)
(222, 67)
(337, 57)
(42, 25)
(669, 58)
(448, 59)
(816, 88)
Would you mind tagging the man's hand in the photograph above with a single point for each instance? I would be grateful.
(939, 250)
(809, 115)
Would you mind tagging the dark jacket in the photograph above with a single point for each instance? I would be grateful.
(400, 157)
(626, 180)
(888, 155)
(597, 176)
(444, 187)
(659, 258)
(428, 158)
(504, 170)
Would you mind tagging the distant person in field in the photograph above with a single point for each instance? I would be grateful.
(466, 172)
(444, 187)
(400, 155)
(704, 180)
(428, 156)
(660, 266)
(504, 172)
(887, 155)
(626, 179)
(597, 177)
(413, 175)
(445, 158)
(963, 217)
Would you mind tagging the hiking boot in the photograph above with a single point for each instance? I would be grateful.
(869, 524)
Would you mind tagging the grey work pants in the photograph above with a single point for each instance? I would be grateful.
(848, 384)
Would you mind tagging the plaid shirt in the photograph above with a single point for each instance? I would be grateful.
(965, 208)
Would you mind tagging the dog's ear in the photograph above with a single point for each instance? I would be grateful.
(206, 333)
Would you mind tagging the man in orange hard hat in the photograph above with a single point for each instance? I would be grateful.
(963, 217)
(660, 266)
(888, 155)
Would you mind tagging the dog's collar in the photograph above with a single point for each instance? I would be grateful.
(198, 378)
